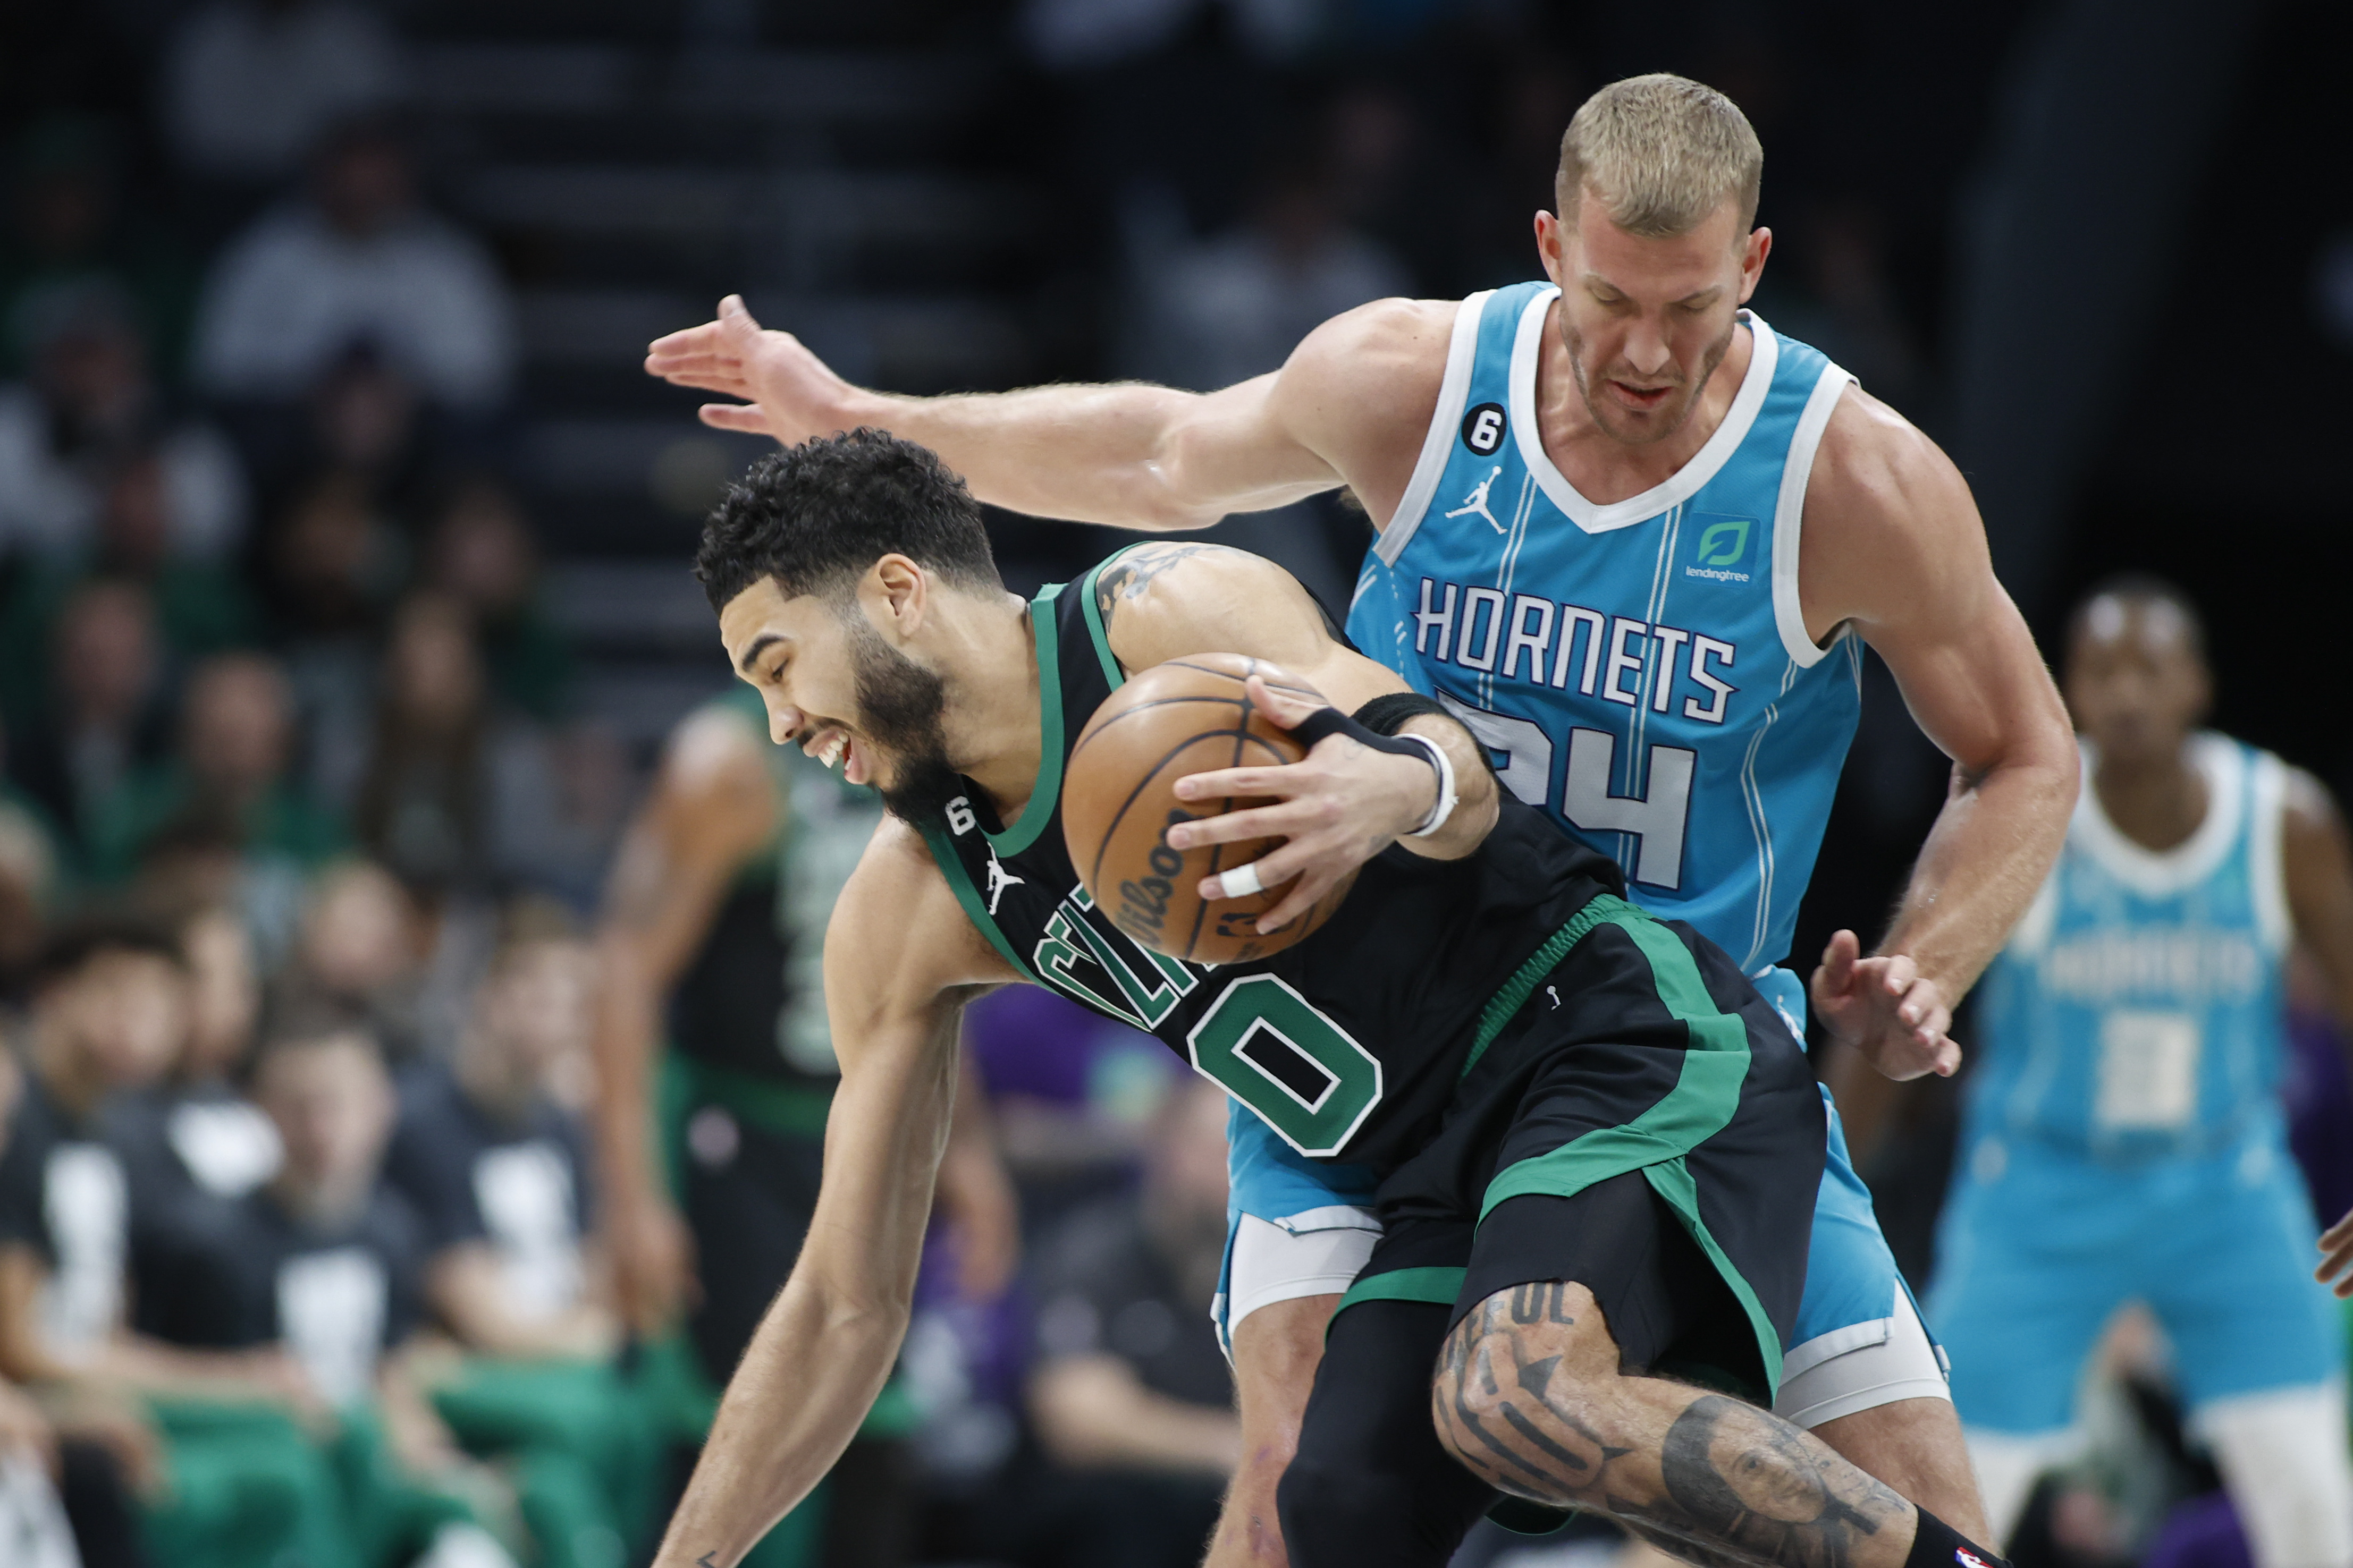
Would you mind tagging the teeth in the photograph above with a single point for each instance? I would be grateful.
(834, 747)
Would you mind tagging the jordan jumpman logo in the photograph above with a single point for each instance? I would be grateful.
(1477, 501)
(1000, 878)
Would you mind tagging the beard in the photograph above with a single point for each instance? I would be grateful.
(900, 704)
(1614, 419)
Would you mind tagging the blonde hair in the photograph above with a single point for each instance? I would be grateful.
(1660, 152)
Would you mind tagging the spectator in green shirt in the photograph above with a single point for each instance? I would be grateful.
(237, 740)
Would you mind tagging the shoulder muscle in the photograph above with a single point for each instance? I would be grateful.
(1361, 389)
(899, 944)
(1165, 601)
(1891, 531)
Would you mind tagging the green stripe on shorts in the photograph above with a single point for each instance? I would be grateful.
(1701, 1104)
(1439, 1287)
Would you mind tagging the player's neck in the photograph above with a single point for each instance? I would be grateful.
(990, 659)
(2157, 803)
(1603, 469)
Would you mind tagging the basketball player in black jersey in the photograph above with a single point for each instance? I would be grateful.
(1587, 1121)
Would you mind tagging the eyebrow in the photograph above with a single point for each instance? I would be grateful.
(760, 644)
(1595, 279)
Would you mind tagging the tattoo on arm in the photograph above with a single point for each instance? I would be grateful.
(1747, 1480)
(705, 1559)
(1127, 577)
(1717, 1481)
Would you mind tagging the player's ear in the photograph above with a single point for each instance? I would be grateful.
(1548, 244)
(1752, 252)
(898, 595)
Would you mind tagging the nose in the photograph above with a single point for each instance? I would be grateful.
(1646, 348)
(783, 720)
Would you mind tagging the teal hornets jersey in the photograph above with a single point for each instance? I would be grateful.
(1640, 671)
(2137, 1009)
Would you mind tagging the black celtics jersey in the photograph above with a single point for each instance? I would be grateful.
(1348, 1043)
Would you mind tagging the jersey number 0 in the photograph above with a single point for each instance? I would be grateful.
(1275, 1051)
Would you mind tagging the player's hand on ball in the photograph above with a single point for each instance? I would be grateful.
(1886, 1009)
(787, 392)
(2337, 1261)
(1337, 809)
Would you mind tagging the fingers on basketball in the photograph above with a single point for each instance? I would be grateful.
(1189, 715)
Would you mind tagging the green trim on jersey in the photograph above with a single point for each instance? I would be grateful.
(1701, 1105)
(1437, 1286)
(1093, 610)
(975, 910)
(788, 1110)
(1044, 633)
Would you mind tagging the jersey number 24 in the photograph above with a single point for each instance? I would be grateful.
(1654, 818)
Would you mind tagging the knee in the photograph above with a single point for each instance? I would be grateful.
(1376, 1492)
(1338, 1515)
(1521, 1394)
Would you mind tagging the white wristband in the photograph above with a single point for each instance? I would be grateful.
(1446, 796)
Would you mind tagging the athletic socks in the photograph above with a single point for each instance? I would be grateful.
(1936, 1545)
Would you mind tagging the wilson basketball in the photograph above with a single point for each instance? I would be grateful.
(1190, 715)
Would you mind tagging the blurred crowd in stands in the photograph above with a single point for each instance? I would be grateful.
(305, 832)
(304, 837)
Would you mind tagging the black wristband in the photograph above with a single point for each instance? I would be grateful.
(1388, 713)
(1936, 1545)
(1332, 721)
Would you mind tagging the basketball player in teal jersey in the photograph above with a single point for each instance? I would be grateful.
(1630, 534)
(2124, 1138)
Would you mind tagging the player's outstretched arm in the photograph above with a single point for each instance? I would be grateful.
(901, 960)
(1893, 544)
(1352, 401)
(1346, 801)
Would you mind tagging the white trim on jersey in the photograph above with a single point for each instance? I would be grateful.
(2164, 874)
(2267, 850)
(1789, 513)
(2032, 933)
(1676, 487)
(1438, 442)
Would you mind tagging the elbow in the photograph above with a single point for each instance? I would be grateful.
(1171, 515)
(859, 1316)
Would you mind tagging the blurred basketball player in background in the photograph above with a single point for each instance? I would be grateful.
(712, 945)
(2124, 1138)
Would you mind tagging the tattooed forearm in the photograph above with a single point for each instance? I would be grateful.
(1127, 577)
(1754, 1483)
(1532, 1401)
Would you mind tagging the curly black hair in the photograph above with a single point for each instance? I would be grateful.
(816, 516)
